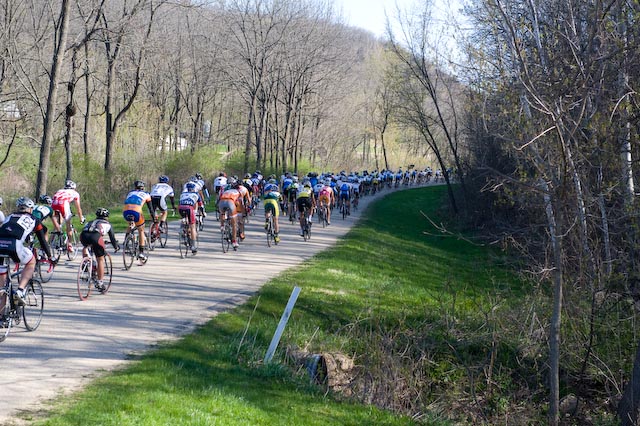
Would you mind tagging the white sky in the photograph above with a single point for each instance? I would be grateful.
(370, 14)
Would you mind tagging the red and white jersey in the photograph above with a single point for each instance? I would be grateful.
(65, 196)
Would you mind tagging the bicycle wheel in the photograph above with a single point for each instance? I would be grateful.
(200, 222)
(343, 210)
(183, 244)
(306, 232)
(147, 240)
(34, 305)
(226, 236)
(152, 236)
(270, 235)
(56, 243)
(108, 273)
(85, 271)
(6, 320)
(71, 255)
(129, 251)
(164, 234)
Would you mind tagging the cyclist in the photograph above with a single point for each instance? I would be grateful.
(326, 199)
(219, 183)
(43, 211)
(61, 202)
(159, 193)
(93, 235)
(203, 187)
(132, 211)
(304, 199)
(189, 200)
(243, 204)
(199, 189)
(14, 232)
(271, 206)
(345, 193)
(229, 199)
(247, 182)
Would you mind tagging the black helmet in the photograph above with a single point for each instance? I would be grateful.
(139, 184)
(198, 176)
(45, 199)
(163, 179)
(102, 212)
(247, 176)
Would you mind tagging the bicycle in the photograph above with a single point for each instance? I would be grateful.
(158, 232)
(88, 275)
(60, 243)
(44, 267)
(12, 313)
(226, 231)
(131, 248)
(306, 225)
(200, 219)
(322, 215)
(344, 209)
(185, 242)
(270, 229)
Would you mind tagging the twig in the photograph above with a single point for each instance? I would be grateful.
(444, 232)
(247, 326)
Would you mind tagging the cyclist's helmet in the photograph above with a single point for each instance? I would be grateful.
(163, 179)
(69, 184)
(45, 199)
(307, 185)
(24, 204)
(102, 213)
(193, 179)
(139, 184)
(247, 176)
(198, 176)
(191, 187)
(235, 184)
(258, 172)
(272, 181)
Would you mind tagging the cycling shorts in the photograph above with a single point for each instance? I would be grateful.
(158, 203)
(229, 205)
(304, 202)
(16, 250)
(135, 216)
(189, 212)
(95, 240)
(324, 199)
(64, 210)
(344, 196)
(272, 206)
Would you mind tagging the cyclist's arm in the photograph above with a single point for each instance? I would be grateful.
(150, 207)
(39, 231)
(77, 203)
(112, 239)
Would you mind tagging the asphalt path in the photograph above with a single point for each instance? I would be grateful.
(160, 301)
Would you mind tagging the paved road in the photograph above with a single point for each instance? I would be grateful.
(160, 301)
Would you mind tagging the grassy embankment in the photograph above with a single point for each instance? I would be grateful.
(387, 288)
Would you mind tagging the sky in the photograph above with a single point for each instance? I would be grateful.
(370, 14)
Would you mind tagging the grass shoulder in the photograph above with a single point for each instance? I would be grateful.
(418, 313)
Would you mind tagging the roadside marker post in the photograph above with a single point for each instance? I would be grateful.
(283, 323)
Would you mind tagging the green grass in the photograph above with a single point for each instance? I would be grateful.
(392, 286)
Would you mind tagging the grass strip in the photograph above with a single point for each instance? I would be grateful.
(392, 276)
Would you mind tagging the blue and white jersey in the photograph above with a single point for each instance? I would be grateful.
(189, 199)
(344, 187)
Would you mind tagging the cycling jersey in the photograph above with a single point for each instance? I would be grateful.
(305, 192)
(42, 212)
(133, 206)
(14, 233)
(159, 193)
(62, 200)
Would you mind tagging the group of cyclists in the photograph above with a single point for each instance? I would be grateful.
(234, 200)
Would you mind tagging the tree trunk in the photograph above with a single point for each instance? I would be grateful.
(58, 54)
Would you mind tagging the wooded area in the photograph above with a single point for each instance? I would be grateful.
(539, 121)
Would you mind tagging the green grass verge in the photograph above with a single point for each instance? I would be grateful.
(391, 290)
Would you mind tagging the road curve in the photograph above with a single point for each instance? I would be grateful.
(160, 301)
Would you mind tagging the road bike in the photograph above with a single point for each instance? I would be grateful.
(88, 275)
(62, 245)
(185, 242)
(44, 267)
(131, 246)
(344, 209)
(158, 233)
(12, 313)
(270, 228)
(200, 219)
(226, 231)
(306, 224)
(322, 215)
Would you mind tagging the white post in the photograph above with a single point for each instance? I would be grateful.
(283, 323)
